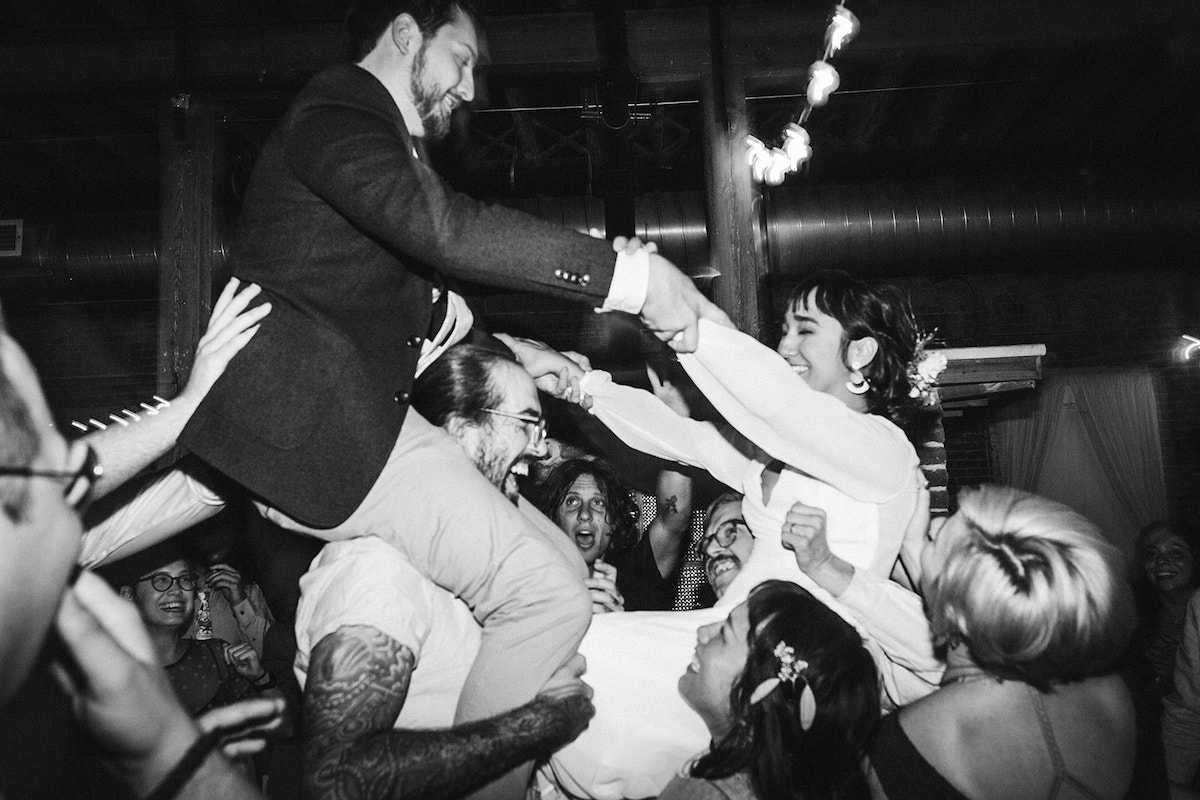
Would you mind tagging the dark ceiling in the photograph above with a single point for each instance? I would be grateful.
(948, 92)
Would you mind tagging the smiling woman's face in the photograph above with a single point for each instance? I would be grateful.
(721, 652)
(1167, 562)
(171, 608)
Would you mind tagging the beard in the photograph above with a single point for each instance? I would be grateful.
(429, 100)
(720, 582)
(496, 465)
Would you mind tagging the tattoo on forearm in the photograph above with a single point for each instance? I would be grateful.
(668, 505)
(358, 680)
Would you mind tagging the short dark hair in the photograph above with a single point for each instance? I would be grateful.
(622, 511)
(368, 19)
(870, 309)
(460, 384)
(19, 446)
(766, 739)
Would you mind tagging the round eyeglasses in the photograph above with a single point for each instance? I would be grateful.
(162, 582)
(537, 424)
(77, 484)
(726, 533)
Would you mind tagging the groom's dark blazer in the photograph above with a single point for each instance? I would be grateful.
(347, 231)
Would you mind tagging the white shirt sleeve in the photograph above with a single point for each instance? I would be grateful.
(173, 502)
(630, 283)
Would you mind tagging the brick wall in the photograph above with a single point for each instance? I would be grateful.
(1104, 318)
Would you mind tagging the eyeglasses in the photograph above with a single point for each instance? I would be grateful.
(537, 433)
(162, 582)
(726, 533)
(79, 482)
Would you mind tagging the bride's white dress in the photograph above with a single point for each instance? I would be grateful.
(859, 468)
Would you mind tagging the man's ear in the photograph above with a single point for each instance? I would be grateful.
(405, 32)
(126, 592)
(461, 429)
(861, 352)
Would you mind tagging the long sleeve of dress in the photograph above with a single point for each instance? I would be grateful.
(895, 617)
(863, 455)
(1181, 708)
(645, 423)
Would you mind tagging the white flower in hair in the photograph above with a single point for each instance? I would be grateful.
(931, 366)
(923, 371)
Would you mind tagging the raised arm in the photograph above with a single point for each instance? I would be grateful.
(126, 449)
(358, 681)
(670, 529)
(862, 455)
(639, 418)
(894, 616)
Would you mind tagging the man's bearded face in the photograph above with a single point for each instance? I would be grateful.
(434, 104)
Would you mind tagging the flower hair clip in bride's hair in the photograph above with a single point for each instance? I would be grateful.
(923, 371)
(790, 668)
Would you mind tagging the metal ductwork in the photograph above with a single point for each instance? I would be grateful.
(874, 228)
(855, 228)
(117, 252)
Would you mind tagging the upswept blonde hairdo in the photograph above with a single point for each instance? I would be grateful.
(1031, 587)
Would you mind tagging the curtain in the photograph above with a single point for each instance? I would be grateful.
(1120, 414)
(1023, 430)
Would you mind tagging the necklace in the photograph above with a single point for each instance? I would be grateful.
(966, 676)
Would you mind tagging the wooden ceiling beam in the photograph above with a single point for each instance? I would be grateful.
(665, 44)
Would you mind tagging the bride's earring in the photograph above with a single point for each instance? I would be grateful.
(857, 383)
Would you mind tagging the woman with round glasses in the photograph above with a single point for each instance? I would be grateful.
(206, 674)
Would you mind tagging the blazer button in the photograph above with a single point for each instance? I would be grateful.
(402, 397)
(415, 341)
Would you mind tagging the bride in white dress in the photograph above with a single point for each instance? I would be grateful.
(819, 412)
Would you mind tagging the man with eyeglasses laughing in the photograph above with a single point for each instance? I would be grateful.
(727, 541)
(367, 619)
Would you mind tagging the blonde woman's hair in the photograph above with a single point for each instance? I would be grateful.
(1031, 587)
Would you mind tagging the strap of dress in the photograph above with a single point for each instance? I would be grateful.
(1061, 775)
(1056, 759)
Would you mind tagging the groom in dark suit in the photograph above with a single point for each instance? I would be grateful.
(349, 233)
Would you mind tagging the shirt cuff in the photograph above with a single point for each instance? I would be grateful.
(592, 381)
(630, 283)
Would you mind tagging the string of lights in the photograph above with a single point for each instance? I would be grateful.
(770, 165)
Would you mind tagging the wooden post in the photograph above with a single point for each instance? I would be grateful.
(733, 202)
(186, 259)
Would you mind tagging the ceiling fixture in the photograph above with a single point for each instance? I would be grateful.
(771, 165)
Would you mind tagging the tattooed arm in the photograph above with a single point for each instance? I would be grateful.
(670, 530)
(358, 680)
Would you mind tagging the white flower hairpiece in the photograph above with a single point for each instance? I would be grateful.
(923, 372)
(790, 668)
